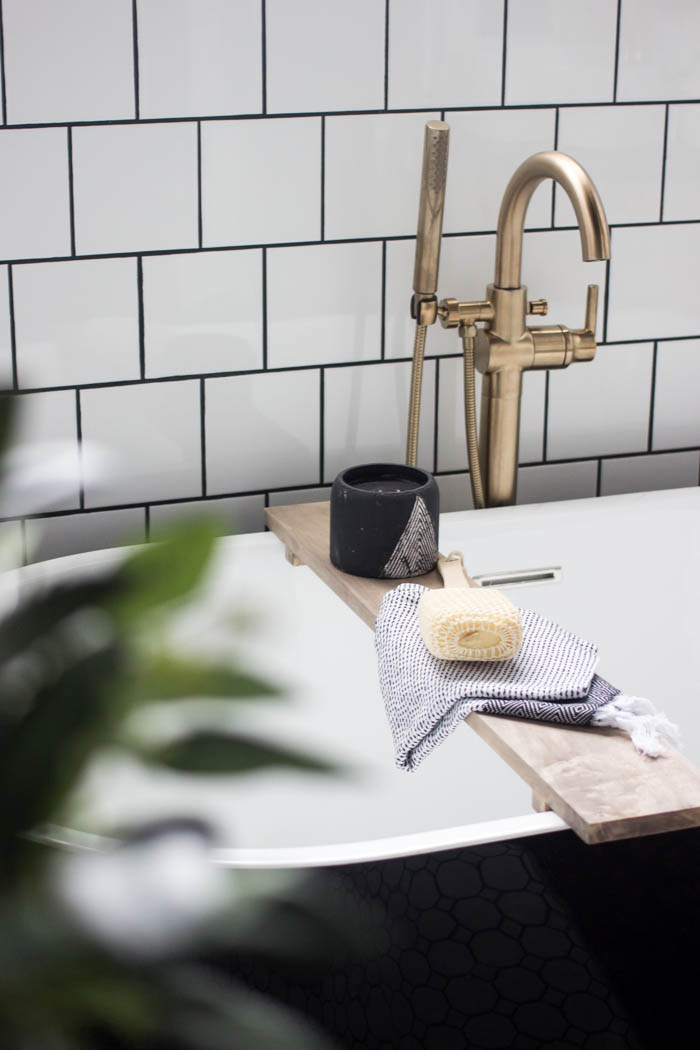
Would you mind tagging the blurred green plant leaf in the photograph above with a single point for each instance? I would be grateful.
(168, 677)
(206, 751)
(47, 748)
(165, 572)
(44, 610)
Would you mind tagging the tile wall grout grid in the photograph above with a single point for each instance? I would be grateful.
(326, 118)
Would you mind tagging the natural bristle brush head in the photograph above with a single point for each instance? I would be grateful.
(465, 622)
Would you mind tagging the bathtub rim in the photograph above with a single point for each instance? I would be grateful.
(335, 854)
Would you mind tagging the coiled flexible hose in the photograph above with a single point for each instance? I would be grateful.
(415, 395)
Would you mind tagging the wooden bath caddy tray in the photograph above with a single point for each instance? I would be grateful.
(592, 778)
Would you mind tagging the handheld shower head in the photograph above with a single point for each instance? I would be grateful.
(432, 203)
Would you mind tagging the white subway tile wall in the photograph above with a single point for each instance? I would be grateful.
(76, 322)
(324, 304)
(202, 312)
(207, 223)
(195, 57)
(153, 432)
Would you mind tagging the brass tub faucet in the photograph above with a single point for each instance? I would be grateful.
(505, 346)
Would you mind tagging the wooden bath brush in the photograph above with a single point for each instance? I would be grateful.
(464, 621)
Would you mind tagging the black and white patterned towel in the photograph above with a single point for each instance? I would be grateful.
(552, 679)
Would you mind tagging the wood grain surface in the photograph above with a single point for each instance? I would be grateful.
(594, 779)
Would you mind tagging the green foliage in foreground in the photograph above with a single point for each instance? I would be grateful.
(75, 662)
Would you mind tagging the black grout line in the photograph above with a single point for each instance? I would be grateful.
(386, 55)
(556, 146)
(142, 327)
(663, 167)
(27, 125)
(199, 184)
(320, 485)
(504, 52)
(203, 433)
(322, 424)
(13, 330)
(71, 191)
(607, 299)
(3, 88)
(598, 477)
(617, 48)
(79, 432)
(189, 376)
(378, 238)
(264, 310)
(382, 350)
(436, 416)
(263, 54)
(546, 416)
(652, 396)
(323, 178)
(135, 31)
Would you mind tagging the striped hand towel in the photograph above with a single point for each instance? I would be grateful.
(552, 679)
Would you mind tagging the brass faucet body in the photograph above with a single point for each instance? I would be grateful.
(506, 347)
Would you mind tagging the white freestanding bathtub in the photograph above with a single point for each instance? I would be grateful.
(630, 581)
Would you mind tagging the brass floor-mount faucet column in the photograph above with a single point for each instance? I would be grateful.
(505, 347)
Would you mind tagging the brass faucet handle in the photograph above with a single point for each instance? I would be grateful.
(538, 306)
(583, 341)
(591, 308)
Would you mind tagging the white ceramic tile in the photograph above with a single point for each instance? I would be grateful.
(76, 322)
(452, 447)
(366, 412)
(262, 431)
(621, 148)
(427, 61)
(372, 174)
(153, 433)
(554, 270)
(557, 481)
(682, 186)
(199, 57)
(658, 50)
(34, 210)
(653, 282)
(5, 336)
(324, 55)
(45, 419)
(324, 304)
(261, 180)
(601, 407)
(68, 60)
(455, 492)
(560, 52)
(677, 395)
(475, 186)
(290, 496)
(466, 267)
(135, 187)
(675, 470)
(202, 312)
(238, 515)
(74, 533)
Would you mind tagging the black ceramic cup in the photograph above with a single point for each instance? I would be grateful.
(384, 521)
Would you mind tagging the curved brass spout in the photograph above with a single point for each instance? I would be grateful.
(593, 226)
